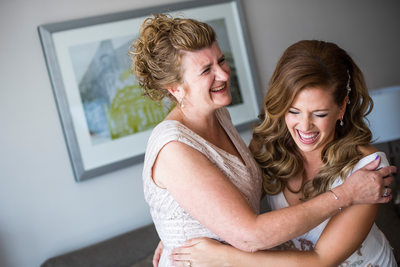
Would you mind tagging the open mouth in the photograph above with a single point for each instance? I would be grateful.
(307, 138)
(218, 89)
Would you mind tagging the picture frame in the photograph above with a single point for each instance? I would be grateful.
(106, 121)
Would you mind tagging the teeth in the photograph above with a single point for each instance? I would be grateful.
(218, 88)
(307, 137)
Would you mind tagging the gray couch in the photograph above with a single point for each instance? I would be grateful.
(132, 249)
(135, 248)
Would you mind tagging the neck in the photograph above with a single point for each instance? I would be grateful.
(204, 124)
(312, 162)
(312, 157)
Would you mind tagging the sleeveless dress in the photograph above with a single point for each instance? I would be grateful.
(375, 249)
(174, 225)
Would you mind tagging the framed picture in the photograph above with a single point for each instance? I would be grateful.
(105, 118)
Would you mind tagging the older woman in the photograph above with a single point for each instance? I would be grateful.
(312, 138)
(200, 180)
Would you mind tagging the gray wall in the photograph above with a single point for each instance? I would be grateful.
(367, 29)
(43, 212)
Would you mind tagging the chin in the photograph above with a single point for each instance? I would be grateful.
(307, 147)
(224, 102)
(227, 103)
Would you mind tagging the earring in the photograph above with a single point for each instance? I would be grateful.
(181, 102)
(341, 122)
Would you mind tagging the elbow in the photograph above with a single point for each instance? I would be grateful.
(251, 235)
(256, 239)
(246, 246)
(249, 240)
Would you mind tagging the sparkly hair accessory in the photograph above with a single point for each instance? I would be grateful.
(348, 86)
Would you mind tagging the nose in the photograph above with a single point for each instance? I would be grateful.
(222, 73)
(305, 123)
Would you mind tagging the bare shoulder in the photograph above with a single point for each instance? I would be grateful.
(367, 150)
(167, 157)
(180, 155)
(177, 159)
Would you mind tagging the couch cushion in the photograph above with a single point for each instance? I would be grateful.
(134, 248)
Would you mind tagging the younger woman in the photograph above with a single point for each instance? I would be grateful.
(312, 137)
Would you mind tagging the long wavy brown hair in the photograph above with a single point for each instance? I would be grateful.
(305, 64)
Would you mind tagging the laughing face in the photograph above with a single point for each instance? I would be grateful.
(312, 117)
(205, 79)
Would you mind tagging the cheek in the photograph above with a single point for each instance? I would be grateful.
(290, 124)
(328, 126)
(289, 121)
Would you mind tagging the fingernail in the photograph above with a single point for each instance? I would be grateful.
(377, 157)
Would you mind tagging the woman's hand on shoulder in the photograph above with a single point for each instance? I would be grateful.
(367, 185)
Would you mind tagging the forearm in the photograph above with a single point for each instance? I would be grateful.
(274, 228)
(365, 186)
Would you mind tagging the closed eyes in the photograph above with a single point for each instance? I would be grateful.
(206, 70)
(319, 115)
(221, 61)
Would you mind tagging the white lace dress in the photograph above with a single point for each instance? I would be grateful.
(375, 251)
(174, 225)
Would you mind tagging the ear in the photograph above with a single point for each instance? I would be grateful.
(177, 91)
(343, 107)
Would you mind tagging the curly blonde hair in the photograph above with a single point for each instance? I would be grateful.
(305, 64)
(156, 53)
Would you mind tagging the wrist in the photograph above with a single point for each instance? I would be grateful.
(342, 197)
